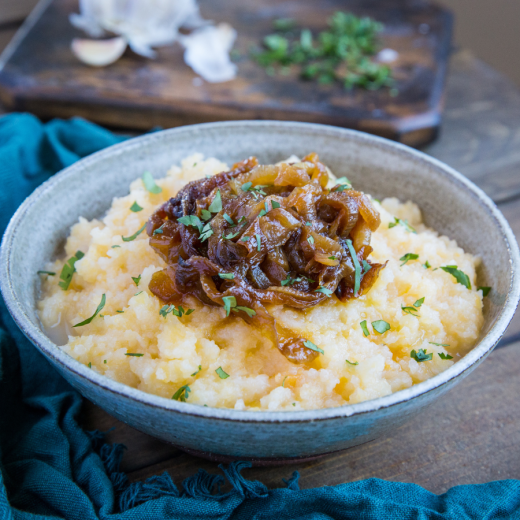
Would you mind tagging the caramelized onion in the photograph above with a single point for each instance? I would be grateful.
(279, 237)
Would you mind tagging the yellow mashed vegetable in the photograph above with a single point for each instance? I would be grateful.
(189, 350)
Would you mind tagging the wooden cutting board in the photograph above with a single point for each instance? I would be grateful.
(38, 73)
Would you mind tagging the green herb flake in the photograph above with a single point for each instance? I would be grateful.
(262, 213)
(205, 214)
(426, 265)
(120, 312)
(138, 293)
(357, 282)
(206, 232)
(98, 310)
(366, 267)
(283, 382)
(191, 220)
(50, 273)
(135, 235)
(325, 291)
(113, 247)
(407, 257)
(195, 373)
(308, 224)
(182, 393)
(352, 363)
(90, 364)
(419, 302)
(230, 236)
(247, 310)
(438, 344)
(442, 355)
(220, 372)
(404, 223)
(158, 231)
(275, 204)
(460, 276)
(69, 269)
(149, 183)
(227, 276)
(421, 355)
(228, 219)
(410, 310)
(310, 239)
(364, 328)
(245, 238)
(258, 243)
(247, 186)
(105, 361)
(133, 354)
(216, 204)
(136, 280)
(135, 208)
(310, 345)
(485, 290)
(229, 303)
(380, 326)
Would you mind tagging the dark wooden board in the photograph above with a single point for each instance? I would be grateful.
(41, 75)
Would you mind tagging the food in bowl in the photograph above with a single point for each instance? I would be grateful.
(261, 287)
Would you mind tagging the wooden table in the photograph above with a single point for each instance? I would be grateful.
(471, 434)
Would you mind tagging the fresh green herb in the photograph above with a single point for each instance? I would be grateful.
(205, 214)
(221, 373)
(247, 186)
(216, 204)
(135, 235)
(485, 290)
(133, 354)
(229, 302)
(227, 276)
(262, 213)
(332, 258)
(460, 276)
(228, 219)
(442, 355)
(404, 223)
(310, 239)
(135, 208)
(342, 53)
(421, 355)
(352, 363)
(121, 312)
(149, 183)
(343, 184)
(426, 265)
(138, 293)
(364, 328)
(245, 238)
(105, 361)
(294, 404)
(357, 282)
(410, 310)
(283, 382)
(180, 312)
(195, 373)
(50, 273)
(206, 232)
(275, 204)
(380, 326)
(438, 344)
(136, 280)
(182, 393)
(158, 231)
(98, 310)
(325, 291)
(419, 302)
(247, 310)
(258, 242)
(407, 257)
(113, 247)
(90, 364)
(191, 220)
(229, 236)
(310, 345)
(308, 224)
(366, 267)
(69, 269)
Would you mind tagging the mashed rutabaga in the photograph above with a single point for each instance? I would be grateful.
(372, 346)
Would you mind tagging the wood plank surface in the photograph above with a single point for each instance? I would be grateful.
(139, 93)
(468, 436)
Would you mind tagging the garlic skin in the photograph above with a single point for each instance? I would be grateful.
(98, 53)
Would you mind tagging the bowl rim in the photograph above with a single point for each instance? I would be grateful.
(43, 343)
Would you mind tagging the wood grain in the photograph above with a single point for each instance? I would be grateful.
(468, 436)
(138, 93)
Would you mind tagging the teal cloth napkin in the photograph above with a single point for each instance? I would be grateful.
(50, 468)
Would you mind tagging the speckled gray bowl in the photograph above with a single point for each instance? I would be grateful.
(450, 203)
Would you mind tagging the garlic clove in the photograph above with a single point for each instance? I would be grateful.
(98, 53)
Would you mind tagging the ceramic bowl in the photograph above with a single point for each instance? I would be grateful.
(450, 203)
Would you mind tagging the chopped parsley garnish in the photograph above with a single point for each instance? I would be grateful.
(231, 235)
(228, 219)
(158, 231)
(403, 223)
(113, 247)
(343, 184)
(227, 276)
(247, 310)
(426, 265)
(69, 269)
(283, 382)
(247, 186)
(366, 267)
(245, 238)
(205, 214)
(206, 232)
(90, 364)
(312, 346)
(364, 328)
(485, 290)
(120, 312)
(220, 372)
(310, 239)
(216, 204)
(409, 310)
(98, 310)
(419, 302)
(275, 204)
(291, 281)
(182, 393)
(258, 242)
(133, 354)
(191, 220)
(380, 326)
(105, 361)
(195, 373)
(442, 355)
(407, 257)
(356, 265)
(180, 312)
(50, 273)
(135, 235)
(308, 224)
(229, 302)
(262, 213)
(325, 291)
(332, 258)
(352, 363)
(138, 293)
(460, 276)
(135, 208)
(438, 344)
(136, 280)
(421, 355)
(149, 183)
